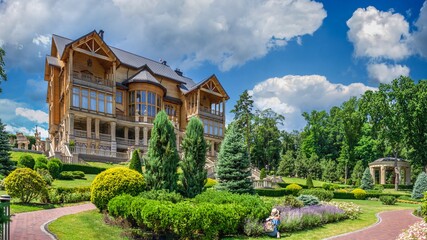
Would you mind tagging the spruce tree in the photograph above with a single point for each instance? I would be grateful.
(135, 162)
(367, 181)
(420, 186)
(194, 146)
(6, 164)
(233, 169)
(309, 182)
(162, 160)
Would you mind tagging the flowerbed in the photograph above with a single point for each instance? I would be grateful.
(350, 209)
(418, 231)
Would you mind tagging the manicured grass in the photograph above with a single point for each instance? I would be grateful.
(397, 192)
(107, 165)
(16, 155)
(302, 181)
(86, 225)
(75, 183)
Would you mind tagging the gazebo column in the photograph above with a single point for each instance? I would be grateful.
(372, 170)
(408, 176)
(382, 175)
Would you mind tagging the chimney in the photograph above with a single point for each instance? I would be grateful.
(101, 34)
(178, 71)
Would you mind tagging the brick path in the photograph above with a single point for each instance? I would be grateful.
(390, 225)
(30, 225)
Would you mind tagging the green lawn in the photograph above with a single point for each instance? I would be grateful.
(302, 181)
(16, 155)
(86, 225)
(107, 165)
(76, 182)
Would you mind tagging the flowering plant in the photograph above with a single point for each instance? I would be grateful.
(418, 231)
(350, 209)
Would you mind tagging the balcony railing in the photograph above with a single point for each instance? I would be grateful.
(211, 111)
(83, 134)
(135, 118)
(98, 152)
(92, 81)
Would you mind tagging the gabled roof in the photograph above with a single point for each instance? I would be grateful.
(144, 75)
(53, 61)
(198, 85)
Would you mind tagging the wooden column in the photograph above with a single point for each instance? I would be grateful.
(113, 131)
(89, 127)
(137, 136)
(113, 78)
(126, 132)
(97, 128)
(198, 101)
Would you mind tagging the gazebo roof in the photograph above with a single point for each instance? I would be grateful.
(389, 159)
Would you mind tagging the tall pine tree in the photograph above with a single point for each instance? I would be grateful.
(162, 160)
(135, 162)
(194, 147)
(6, 164)
(233, 169)
(367, 181)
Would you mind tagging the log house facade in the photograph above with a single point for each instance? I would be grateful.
(102, 100)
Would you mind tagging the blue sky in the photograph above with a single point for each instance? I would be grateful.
(292, 56)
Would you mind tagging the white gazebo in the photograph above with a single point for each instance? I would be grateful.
(387, 164)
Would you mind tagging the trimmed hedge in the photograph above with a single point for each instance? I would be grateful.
(284, 185)
(402, 187)
(349, 195)
(84, 168)
(68, 195)
(278, 192)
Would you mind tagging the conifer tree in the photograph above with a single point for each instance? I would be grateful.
(135, 162)
(420, 186)
(193, 162)
(367, 181)
(309, 182)
(162, 160)
(6, 164)
(233, 170)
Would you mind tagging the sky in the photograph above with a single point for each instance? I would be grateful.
(293, 56)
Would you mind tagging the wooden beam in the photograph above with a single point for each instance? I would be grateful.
(211, 92)
(93, 54)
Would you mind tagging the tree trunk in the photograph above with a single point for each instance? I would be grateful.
(346, 172)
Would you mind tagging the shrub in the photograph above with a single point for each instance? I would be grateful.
(367, 181)
(210, 183)
(120, 206)
(420, 186)
(253, 228)
(62, 195)
(44, 173)
(135, 162)
(70, 175)
(84, 168)
(359, 193)
(25, 184)
(308, 200)
(40, 165)
(330, 186)
(162, 195)
(59, 162)
(321, 194)
(114, 182)
(262, 174)
(309, 182)
(42, 159)
(379, 187)
(343, 195)
(26, 160)
(274, 192)
(292, 201)
(295, 188)
(388, 200)
(54, 169)
(78, 174)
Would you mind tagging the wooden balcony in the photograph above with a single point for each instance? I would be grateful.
(204, 111)
(135, 118)
(91, 81)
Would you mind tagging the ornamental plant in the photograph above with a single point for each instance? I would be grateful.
(294, 188)
(135, 162)
(351, 210)
(388, 200)
(25, 184)
(7, 165)
(308, 200)
(415, 231)
(54, 169)
(309, 182)
(420, 186)
(359, 193)
(26, 160)
(367, 181)
(320, 193)
(113, 182)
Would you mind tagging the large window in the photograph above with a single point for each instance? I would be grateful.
(92, 100)
(144, 101)
(212, 127)
(119, 97)
(170, 110)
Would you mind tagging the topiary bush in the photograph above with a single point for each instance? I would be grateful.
(309, 182)
(54, 169)
(120, 206)
(388, 200)
(25, 184)
(295, 188)
(62, 195)
(40, 165)
(135, 162)
(321, 194)
(42, 159)
(420, 186)
(359, 193)
(57, 161)
(162, 195)
(114, 182)
(292, 202)
(308, 200)
(210, 183)
(26, 161)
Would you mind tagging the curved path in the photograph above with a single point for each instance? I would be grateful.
(390, 224)
(31, 225)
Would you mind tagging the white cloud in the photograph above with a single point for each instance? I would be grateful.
(29, 132)
(33, 115)
(186, 32)
(419, 37)
(292, 95)
(378, 34)
(7, 109)
(384, 73)
(42, 40)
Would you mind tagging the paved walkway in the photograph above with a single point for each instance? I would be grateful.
(30, 225)
(390, 224)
